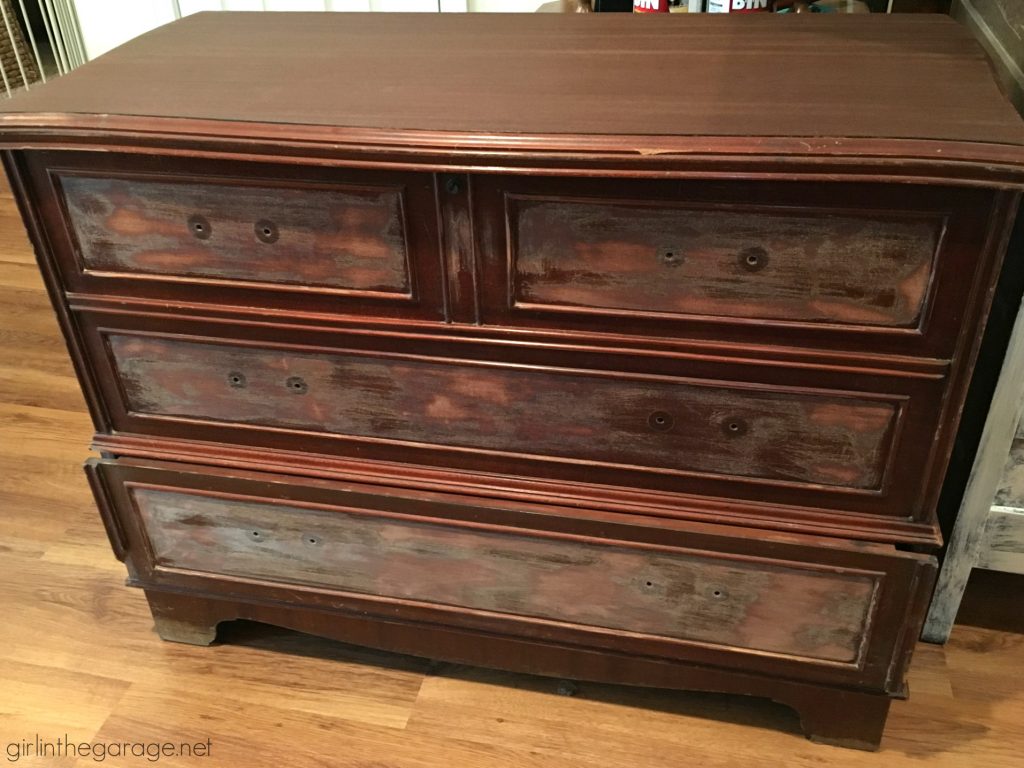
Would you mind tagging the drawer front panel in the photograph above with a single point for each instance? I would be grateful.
(871, 270)
(232, 234)
(772, 607)
(651, 422)
(346, 239)
(838, 266)
(801, 606)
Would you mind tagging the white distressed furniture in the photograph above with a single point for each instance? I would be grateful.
(989, 530)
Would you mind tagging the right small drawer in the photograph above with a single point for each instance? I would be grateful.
(840, 262)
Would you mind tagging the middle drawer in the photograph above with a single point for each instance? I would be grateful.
(684, 425)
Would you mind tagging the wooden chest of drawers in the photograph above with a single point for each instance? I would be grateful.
(418, 335)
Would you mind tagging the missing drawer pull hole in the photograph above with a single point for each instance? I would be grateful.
(266, 231)
(648, 583)
(718, 594)
(734, 427)
(312, 540)
(670, 257)
(255, 535)
(199, 226)
(661, 421)
(237, 380)
(297, 385)
(753, 259)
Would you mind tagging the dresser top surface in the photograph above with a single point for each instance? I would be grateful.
(855, 76)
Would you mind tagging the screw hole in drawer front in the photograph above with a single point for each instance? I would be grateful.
(200, 227)
(753, 259)
(671, 257)
(296, 385)
(266, 231)
(734, 427)
(237, 380)
(661, 421)
(773, 605)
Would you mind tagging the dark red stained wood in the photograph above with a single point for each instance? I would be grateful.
(848, 265)
(342, 241)
(742, 262)
(828, 715)
(785, 608)
(916, 77)
(347, 238)
(863, 407)
(897, 575)
(916, 393)
(674, 425)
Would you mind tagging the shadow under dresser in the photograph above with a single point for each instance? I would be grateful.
(424, 335)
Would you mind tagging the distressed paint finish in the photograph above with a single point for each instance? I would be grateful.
(863, 270)
(761, 433)
(352, 239)
(1003, 548)
(1010, 492)
(775, 607)
(993, 477)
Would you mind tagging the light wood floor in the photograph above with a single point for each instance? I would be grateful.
(78, 654)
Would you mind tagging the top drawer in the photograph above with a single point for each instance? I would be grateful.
(263, 235)
(852, 265)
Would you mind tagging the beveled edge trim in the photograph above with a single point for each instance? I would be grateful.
(940, 161)
(899, 366)
(880, 529)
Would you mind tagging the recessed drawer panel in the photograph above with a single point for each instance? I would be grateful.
(707, 593)
(871, 269)
(839, 265)
(276, 237)
(328, 238)
(675, 595)
(649, 422)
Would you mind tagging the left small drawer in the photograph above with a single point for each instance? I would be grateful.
(335, 240)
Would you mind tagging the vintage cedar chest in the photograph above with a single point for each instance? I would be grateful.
(495, 340)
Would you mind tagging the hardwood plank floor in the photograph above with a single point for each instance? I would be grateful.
(78, 654)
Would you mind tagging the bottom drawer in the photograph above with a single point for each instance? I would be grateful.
(665, 588)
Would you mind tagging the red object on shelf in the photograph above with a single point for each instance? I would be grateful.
(738, 6)
(650, 6)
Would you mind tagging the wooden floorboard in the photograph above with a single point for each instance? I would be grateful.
(78, 654)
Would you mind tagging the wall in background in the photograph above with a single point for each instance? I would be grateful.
(999, 25)
(105, 24)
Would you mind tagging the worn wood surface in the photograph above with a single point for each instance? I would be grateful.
(776, 607)
(664, 424)
(845, 265)
(1003, 545)
(301, 240)
(522, 73)
(1010, 489)
(745, 262)
(977, 145)
(73, 626)
(341, 238)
